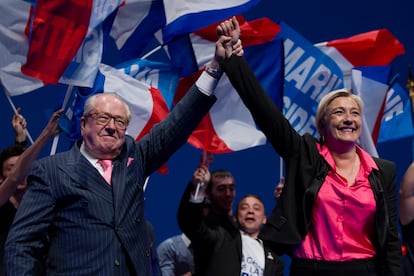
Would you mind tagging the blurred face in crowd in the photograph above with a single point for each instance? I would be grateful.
(8, 166)
(222, 194)
(103, 126)
(251, 215)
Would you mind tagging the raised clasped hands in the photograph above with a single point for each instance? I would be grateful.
(228, 42)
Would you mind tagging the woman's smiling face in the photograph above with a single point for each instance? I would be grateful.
(343, 121)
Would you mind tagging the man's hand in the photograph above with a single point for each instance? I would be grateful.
(230, 29)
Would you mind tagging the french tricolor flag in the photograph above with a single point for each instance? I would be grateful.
(66, 40)
(141, 24)
(229, 125)
(14, 46)
(184, 16)
(134, 25)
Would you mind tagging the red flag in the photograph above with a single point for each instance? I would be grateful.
(58, 29)
(375, 48)
(204, 136)
(229, 126)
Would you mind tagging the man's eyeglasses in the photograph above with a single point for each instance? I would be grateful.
(103, 119)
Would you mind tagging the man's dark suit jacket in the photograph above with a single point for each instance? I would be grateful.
(93, 228)
(306, 170)
(216, 242)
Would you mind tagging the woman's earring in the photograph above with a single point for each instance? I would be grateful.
(322, 140)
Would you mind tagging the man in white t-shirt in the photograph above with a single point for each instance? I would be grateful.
(224, 244)
(251, 216)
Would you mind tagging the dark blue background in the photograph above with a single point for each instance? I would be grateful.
(256, 170)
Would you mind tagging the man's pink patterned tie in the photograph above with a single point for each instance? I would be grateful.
(107, 167)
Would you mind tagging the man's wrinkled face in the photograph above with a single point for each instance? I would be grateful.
(103, 128)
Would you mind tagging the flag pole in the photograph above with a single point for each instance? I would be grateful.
(55, 141)
(6, 92)
(146, 183)
(281, 174)
(152, 51)
(204, 161)
(410, 87)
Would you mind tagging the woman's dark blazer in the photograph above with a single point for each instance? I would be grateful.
(306, 170)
